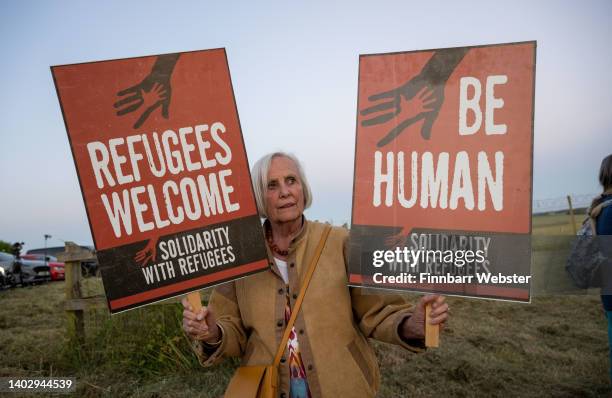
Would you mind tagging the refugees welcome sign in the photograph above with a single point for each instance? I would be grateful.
(163, 171)
(443, 171)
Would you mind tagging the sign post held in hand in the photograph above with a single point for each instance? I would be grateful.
(443, 172)
(432, 332)
(195, 300)
(164, 174)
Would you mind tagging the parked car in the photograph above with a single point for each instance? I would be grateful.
(25, 272)
(6, 265)
(2, 277)
(88, 268)
(56, 268)
(33, 272)
(37, 256)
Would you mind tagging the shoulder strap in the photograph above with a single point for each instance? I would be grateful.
(595, 211)
(298, 303)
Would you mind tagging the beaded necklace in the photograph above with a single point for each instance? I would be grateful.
(273, 246)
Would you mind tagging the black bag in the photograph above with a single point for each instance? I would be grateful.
(585, 262)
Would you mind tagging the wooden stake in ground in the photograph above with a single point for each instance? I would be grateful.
(432, 332)
(571, 210)
(75, 304)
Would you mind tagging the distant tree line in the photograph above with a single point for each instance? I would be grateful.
(11, 248)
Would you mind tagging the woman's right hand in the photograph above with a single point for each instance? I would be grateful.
(201, 325)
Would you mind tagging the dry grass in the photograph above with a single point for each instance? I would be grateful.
(557, 224)
(554, 347)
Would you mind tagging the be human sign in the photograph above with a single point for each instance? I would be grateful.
(443, 171)
(164, 174)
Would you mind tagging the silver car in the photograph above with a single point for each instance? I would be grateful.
(6, 265)
(25, 272)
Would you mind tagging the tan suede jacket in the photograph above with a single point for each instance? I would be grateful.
(333, 325)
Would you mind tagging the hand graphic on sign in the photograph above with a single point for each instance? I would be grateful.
(405, 104)
(154, 87)
(148, 253)
(154, 97)
(400, 239)
(428, 89)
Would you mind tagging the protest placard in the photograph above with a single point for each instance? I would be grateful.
(164, 174)
(443, 171)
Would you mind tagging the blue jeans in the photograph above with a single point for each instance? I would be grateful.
(609, 316)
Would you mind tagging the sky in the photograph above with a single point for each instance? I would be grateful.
(294, 71)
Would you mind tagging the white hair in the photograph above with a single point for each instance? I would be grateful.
(259, 177)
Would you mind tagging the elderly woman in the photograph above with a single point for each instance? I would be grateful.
(327, 354)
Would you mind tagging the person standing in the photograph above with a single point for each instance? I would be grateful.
(328, 353)
(601, 211)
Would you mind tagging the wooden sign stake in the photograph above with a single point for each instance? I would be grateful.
(195, 300)
(432, 332)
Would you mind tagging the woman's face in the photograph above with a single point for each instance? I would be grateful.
(284, 194)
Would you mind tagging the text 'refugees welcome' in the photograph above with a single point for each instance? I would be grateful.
(169, 157)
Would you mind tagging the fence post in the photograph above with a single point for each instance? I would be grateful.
(72, 257)
(571, 210)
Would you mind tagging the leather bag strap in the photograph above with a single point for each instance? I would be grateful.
(298, 303)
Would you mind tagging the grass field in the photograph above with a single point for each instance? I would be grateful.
(554, 347)
(556, 224)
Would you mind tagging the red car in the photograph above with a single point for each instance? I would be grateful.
(56, 268)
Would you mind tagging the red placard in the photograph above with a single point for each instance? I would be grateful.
(444, 150)
(164, 174)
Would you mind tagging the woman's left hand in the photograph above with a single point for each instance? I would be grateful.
(414, 327)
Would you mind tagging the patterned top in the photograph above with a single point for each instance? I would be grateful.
(299, 384)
